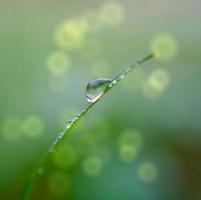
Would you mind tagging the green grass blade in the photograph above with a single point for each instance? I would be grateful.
(72, 123)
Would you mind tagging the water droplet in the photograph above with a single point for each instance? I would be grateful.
(96, 88)
(112, 83)
(69, 124)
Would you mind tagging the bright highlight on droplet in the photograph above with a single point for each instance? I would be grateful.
(165, 46)
(58, 63)
(92, 166)
(33, 126)
(147, 172)
(112, 14)
(96, 88)
(156, 83)
(58, 183)
(65, 156)
(130, 143)
(71, 34)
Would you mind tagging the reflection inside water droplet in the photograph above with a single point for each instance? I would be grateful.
(96, 88)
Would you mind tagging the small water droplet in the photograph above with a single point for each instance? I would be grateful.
(96, 88)
(122, 76)
(112, 83)
(68, 125)
(70, 121)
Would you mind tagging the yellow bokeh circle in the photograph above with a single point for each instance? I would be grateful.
(58, 63)
(71, 34)
(165, 46)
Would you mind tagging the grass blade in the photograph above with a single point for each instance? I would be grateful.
(72, 123)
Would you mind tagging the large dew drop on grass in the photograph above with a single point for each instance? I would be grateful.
(96, 88)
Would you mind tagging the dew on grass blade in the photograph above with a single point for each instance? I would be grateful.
(96, 88)
(94, 91)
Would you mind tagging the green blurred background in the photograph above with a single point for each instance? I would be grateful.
(143, 140)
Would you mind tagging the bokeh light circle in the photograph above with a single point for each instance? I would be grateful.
(92, 166)
(33, 126)
(130, 143)
(58, 63)
(71, 34)
(156, 83)
(165, 46)
(112, 13)
(147, 171)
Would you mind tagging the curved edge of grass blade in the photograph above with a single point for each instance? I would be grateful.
(72, 123)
